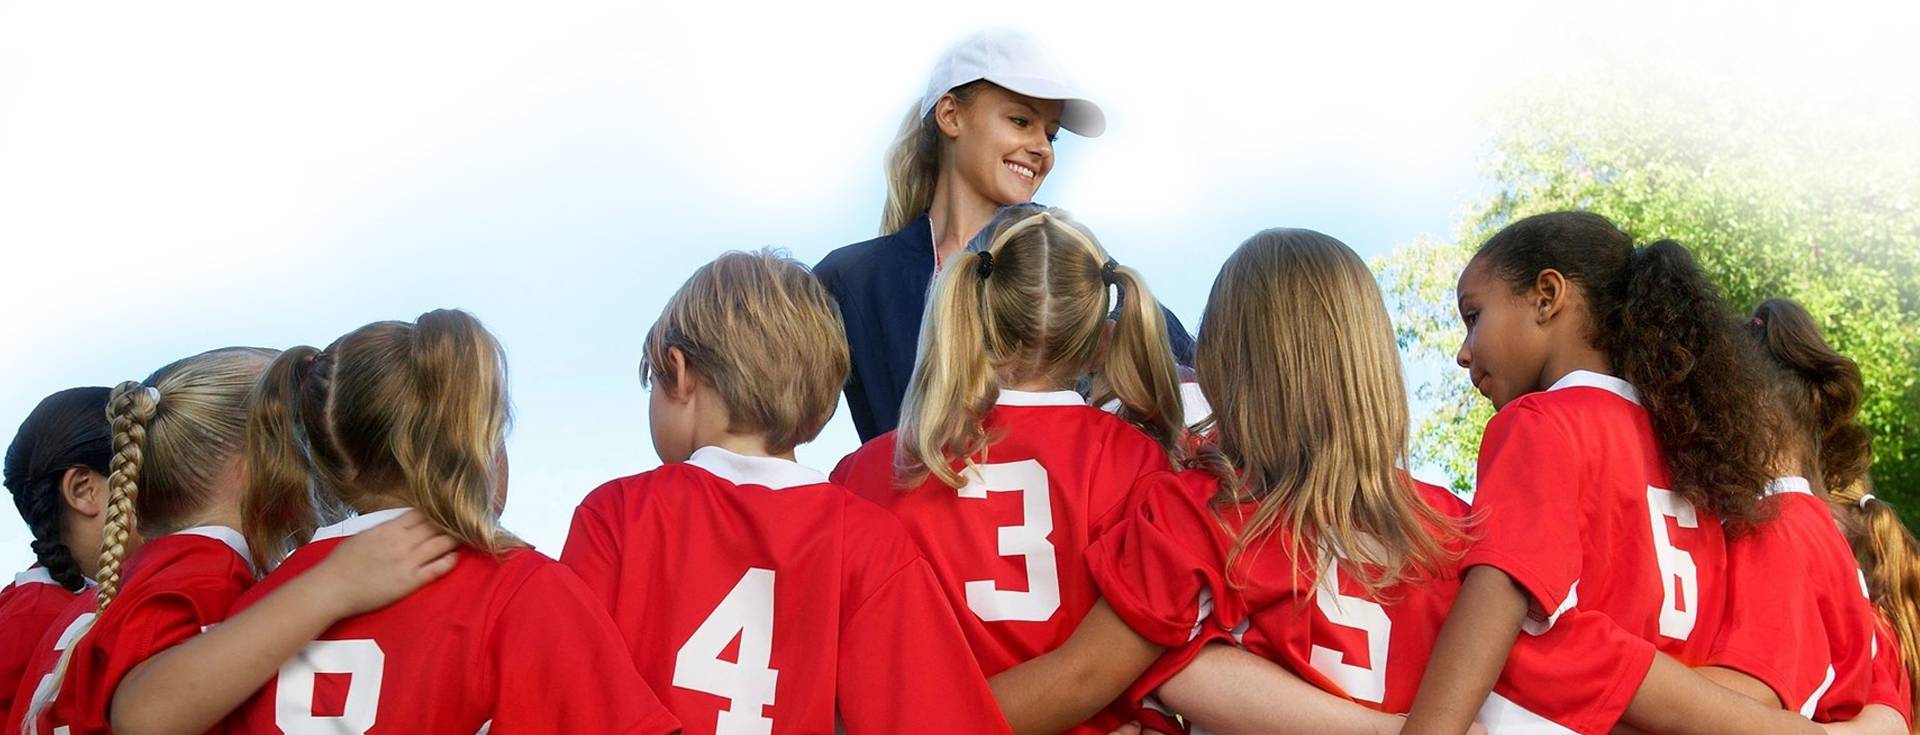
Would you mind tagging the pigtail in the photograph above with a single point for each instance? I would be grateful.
(1890, 560)
(278, 507)
(1671, 335)
(448, 447)
(953, 385)
(1832, 388)
(1139, 369)
(129, 409)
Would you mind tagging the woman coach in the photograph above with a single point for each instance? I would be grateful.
(980, 139)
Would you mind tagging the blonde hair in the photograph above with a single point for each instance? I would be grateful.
(1032, 306)
(913, 162)
(1297, 356)
(1890, 560)
(174, 435)
(763, 333)
(393, 412)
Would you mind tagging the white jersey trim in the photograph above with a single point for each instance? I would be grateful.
(1194, 402)
(1540, 627)
(232, 538)
(1011, 397)
(36, 575)
(1591, 379)
(357, 524)
(773, 473)
(1779, 485)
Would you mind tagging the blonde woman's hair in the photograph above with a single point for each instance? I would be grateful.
(394, 412)
(1297, 356)
(174, 435)
(1031, 306)
(913, 162)
(761, 331)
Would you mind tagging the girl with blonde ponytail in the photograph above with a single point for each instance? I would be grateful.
(407, 420)
(1002, 471)
(172, 562)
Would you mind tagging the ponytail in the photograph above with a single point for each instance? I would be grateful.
(953, 383)
(1890, 560)
(1139, 369)
(1671, 336)
(447, 453)
(1828, 391)
(278, 506)
(129, 409)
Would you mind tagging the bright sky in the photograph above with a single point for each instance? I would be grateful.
(185, 176)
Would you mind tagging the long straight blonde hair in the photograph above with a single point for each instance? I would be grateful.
(393, 412)
(1297, 356)
(1031, 306)
(913, 162)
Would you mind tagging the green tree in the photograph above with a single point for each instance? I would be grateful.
(1820, 208)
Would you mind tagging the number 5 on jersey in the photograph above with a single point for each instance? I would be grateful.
(1027, 541)
(748, 685)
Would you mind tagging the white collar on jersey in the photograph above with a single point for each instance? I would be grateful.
(1011, 397)
(1192, 400)
(1780, 485)
(1591, 379)
(40, 575)
(233, 539)
(357, 524)
(772, 473)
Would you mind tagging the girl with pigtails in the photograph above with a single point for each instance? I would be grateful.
(1002, 472)
(399, 420)
(56, 470)
(122, 657)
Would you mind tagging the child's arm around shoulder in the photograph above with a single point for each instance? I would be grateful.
(190, 687)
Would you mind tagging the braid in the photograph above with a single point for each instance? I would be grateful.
(129, 410)
(42, 514)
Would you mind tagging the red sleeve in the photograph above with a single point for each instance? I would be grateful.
(19, 639)
(844, 468)
(1529, 528)
(1780, 639)
(1581, 674)
(593, 548)
(1159, 568)
(133, 629)
(905, 665)
(1891, 684)
(1129, 457)
(562, 666)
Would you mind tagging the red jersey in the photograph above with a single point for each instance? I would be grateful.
(1892, 686)
(1798, 618)
(27, 608)
(173, 587)
(837, 617)
(501, 645)
(1163, 570)
(1009, 548)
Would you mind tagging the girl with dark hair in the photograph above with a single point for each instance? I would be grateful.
(57, 473)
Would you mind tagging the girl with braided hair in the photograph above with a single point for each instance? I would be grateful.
(173, 560)
(57, 472)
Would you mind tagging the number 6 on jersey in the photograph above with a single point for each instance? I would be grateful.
(748, 686)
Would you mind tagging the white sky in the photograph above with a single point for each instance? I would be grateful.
(185, 176)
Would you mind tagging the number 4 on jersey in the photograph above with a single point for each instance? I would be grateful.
(748, 685)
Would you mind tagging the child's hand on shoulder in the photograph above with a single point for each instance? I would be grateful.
(380, 565)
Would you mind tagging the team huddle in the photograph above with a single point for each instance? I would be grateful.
(1059, 525)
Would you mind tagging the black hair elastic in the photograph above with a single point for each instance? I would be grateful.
(985, 268)
(1106, 272)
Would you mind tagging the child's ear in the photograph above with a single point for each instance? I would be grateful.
(84, 491)
(1551, 293)
(681, 378)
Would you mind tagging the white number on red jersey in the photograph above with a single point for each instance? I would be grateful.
(1028, 541)
(364, 664)
(1366, 683)
(1679, 578)
(748, 686)
(44, 691)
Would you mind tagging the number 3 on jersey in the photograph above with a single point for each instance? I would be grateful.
(1366, 683)
(1679, 578)
(748, 686)
(1027, 541)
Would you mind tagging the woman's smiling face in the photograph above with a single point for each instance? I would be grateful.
(1001, 143)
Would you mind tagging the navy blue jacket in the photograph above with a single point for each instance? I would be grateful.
(881, 285)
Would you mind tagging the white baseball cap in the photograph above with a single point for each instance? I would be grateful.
(1017, 62)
